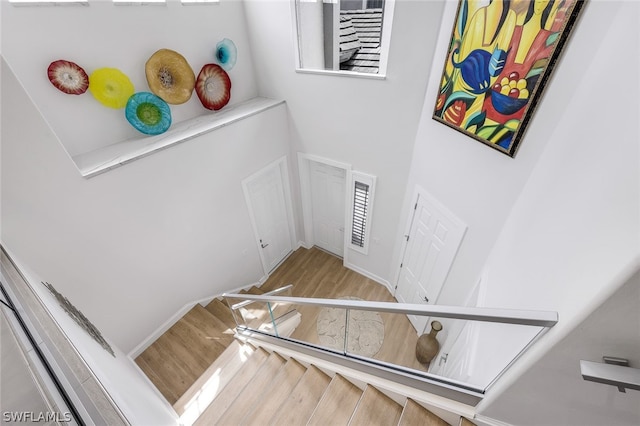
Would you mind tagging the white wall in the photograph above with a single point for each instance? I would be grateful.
(576, 226)
(477, 183)
(131, 391)
(552, 226)
(552, 392)
(368, 123)
(124, 37)
(133, 245)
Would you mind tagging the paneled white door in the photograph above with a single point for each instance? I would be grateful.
(266, 198)
(327, 200)
(431, 245)
(454, 359)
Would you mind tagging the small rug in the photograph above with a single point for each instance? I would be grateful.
(366, 330)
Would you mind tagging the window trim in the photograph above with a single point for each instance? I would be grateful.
(370, 181)
(385, 43)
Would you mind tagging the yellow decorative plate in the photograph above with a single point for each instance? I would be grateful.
(111, 87)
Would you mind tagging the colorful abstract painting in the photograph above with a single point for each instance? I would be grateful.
(500, 56)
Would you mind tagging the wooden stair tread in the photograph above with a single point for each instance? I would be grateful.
(220, 310)
(167, 391)
(218, 374)
(178, 343)
(171, 371)
(466, 422)
(278, 391)
(209, 326)
(255, 290)
(415, 414)
(337, 404)
(376, 408)
(299, 406)
(183, 353)
(253, 391)
(234, 388)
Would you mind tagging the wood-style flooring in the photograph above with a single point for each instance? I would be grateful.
(176, 361)
(316, 273)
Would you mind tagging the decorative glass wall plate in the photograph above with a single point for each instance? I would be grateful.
(226, 54)
(213, 87)
(68, 77)
(148, 113)
(111, 87)
(170, 76)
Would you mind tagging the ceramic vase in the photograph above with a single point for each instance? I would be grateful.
(428, 346)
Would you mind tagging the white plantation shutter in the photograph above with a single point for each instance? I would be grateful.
(362, 204)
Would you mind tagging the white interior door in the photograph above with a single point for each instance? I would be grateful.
(327, 200)
(266, 197)
(432, 243)
(454, 359)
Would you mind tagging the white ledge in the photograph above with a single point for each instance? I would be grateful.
(101, 160)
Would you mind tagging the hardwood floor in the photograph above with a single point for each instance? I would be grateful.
(177, 360)
(316, 273)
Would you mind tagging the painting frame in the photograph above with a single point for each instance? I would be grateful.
(472, 97)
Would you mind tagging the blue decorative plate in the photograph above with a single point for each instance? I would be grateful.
(226, 53)
(148, 113)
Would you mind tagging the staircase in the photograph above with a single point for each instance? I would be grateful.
(262, 387)
(183, 353)
(210, 378)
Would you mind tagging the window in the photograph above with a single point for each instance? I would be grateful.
(362, 205)
(343, 36)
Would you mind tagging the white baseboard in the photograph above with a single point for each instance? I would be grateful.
(369, 275)
(238, 289)
(303, 245)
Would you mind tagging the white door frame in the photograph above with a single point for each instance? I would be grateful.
(407, 229)
(305, 195)
(282, 166)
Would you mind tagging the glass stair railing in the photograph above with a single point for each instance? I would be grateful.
(475, 345)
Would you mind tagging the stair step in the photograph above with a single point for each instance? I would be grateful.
(182, 354)
(298, 407)
(194, 340)
(376, 408)
(276, 393)
(161, 360)
(167, 391)
(234, 388)
(252, 392)
(466, 422)
(255, 290)
(220, 310)
(215, 378)
(208, 325)
(415, 414)
(179, 340)
(337, 404)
